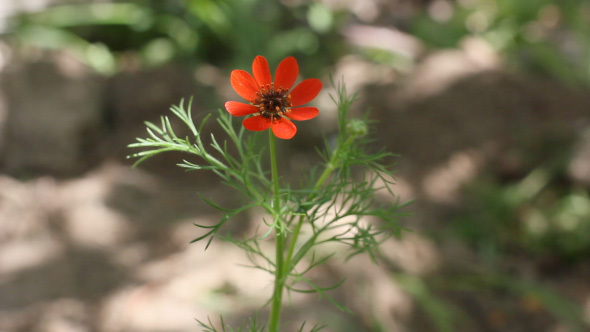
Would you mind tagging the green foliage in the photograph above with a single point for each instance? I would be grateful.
(253, 326)
(107, 36)
(549, 37)
(335, 206)
(446, 316)
(537, 215)
(558, 306)
(442, 316)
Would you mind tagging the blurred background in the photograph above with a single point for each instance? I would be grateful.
(487, 102)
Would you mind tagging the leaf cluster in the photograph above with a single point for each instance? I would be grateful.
(252, 326)
(236, 160)
(337, 203)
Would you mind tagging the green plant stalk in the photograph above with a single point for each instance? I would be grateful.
(277, 297)
(331, 166)
(283, 266)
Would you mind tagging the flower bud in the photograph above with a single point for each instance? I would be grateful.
(356, 128)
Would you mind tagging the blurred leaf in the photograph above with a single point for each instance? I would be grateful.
(93, 14)
(438, 311)
(563, 309)
(95, 55)
(320, 17)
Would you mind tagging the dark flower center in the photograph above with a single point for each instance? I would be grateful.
(272, 103)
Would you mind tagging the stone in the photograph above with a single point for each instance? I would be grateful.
(53, 115)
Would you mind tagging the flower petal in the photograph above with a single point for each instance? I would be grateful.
(286, 73)
(283, 128)
(256, 123)
(261, 71)
(305, 91)
(240, 109)
(302, 113)
(244, 84)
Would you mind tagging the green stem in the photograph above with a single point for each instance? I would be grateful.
(282, 263)
(331, 166)
(275, 312)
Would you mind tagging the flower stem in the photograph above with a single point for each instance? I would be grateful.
(331, 166)
(282, 264)
(279, 282)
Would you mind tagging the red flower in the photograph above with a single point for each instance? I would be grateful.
(272, 102)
